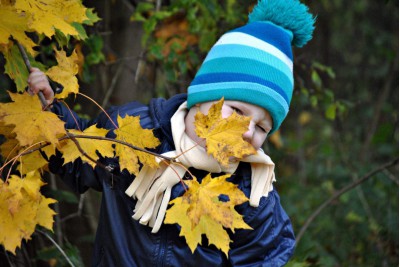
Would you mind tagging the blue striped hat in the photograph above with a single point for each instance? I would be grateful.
(254, 63)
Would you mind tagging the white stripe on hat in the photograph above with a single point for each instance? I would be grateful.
(249, 40)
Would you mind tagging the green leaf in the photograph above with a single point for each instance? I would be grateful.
(313, 101)
(330, 112)
(92, 17)
(304, 91)
(15, 68)
(61, 38)
(64, 196)
(81, 31)
(316, 78)
(95, 44)
(353, 217)
(329, 94)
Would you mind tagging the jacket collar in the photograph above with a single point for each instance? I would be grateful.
(161, 111)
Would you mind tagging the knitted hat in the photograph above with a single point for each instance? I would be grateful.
(254, 63)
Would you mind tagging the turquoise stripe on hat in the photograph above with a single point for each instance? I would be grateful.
(242, 91)
(269, 33)
(242, 51)
(251, 67)
(245, 39)
(218, 77)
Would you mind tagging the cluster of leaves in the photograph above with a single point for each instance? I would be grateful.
(177, 35)
(33, 134)
(42, 20)
(30, 128)
(24, 25)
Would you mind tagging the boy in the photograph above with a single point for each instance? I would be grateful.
(251, 67)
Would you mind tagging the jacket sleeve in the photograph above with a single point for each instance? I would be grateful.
(271, 242)
(71, 119)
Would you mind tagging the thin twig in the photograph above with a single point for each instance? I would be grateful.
(391, 176)
(120, 142)
(58, 247)
(101, 108)
(339, 193)
(73, 138)
(8, 258)
(139, 67)
(78, 213)
(112, 86)
(83, 152)
(72, 114)
(57, 220)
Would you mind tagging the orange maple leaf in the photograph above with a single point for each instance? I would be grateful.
(32, 124)
(224, 136)
(131, 131)
(200, 211)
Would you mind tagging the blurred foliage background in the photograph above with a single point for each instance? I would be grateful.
(343, 122)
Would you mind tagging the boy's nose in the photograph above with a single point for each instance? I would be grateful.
(248, 136)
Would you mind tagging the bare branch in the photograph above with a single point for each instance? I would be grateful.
(112, 86)
(120, 142)
(341, 192)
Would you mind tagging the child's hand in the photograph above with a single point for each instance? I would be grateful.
(37, 81)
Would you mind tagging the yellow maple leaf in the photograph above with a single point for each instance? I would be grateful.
(224, 136)
(64, 73)
(46, 16)
(14, 24)
(31, 162)
(200, 211)
(10, 147)
(88, 145)
(32, 124)
(22, 207)
(130, 131)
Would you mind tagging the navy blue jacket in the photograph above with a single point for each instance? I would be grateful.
(122, 241)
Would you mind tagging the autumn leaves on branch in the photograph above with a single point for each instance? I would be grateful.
(29, 132)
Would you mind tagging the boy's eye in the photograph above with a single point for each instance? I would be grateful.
(262, 129)
(238, 111)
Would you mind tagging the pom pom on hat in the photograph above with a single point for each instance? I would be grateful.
(289, 14)
(254, 63)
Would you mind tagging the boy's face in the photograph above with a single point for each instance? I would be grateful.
(260, 124)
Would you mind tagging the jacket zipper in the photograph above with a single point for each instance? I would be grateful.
(163, 247)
